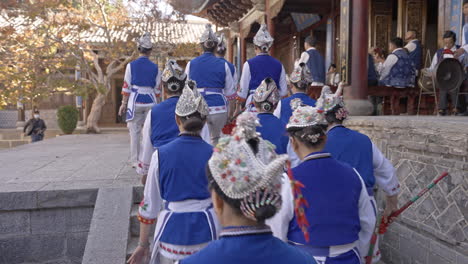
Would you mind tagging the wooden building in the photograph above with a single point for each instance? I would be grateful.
(345, 29)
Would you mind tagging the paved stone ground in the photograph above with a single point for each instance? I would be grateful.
(68, 162)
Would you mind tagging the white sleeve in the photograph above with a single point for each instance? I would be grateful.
(279, 223)
(304, 57)
(157, 88)
(295, 160)
(277, 111)
(127, 80)
(410, 46)
(152, 201)
(147, 148)
(283, 86)
(229, 90)
(391, 60)
(235, 79)
(384, 173)
(244, 82)
(366, 219)
(187, 70)
(434, 62)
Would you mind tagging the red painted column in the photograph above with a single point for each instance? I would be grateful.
(230, 51)
(243, 47)
(359, 50)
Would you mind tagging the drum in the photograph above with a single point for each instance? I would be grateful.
(449, 75)
(426, 81)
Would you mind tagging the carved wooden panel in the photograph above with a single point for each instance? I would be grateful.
(413, 17)
(380, 28)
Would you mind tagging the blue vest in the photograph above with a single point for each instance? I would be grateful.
(144, 73)
(371, 73)
(402, 73)
(273, 130)
(332, 190)
(286, 110)
(261, 67)
(163, 125)
(316, 65)
(182, 169)
(231, 66)
(209, 72)
(416, 55)
(353, 148)
(249, 249)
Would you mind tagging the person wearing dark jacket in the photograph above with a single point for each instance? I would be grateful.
(35, 127)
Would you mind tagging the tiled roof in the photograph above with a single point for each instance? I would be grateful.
(173, 32)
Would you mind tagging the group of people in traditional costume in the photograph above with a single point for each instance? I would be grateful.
(289, 184)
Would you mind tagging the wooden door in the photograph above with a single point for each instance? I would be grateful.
(380, 24)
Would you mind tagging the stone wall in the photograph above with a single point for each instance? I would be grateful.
(45, 227)
(8, 118)
(48, 115)
(435, 228)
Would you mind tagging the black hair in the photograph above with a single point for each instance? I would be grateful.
(262, 213)
(306, 134)
(174, 86)
(332, 65)
(36, 111)
(144, 50)
(450, 34)
(263, 48)
(330, 115)
(465, 2)
(221, 51)
(193, 123)
(209, 46)
(311, 41)
(265, 106)
(398, 42)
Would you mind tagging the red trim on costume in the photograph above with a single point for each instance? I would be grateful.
(125, 93)
(177, 252)
(145, 220)
(240, 99)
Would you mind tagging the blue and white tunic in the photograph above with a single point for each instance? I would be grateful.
(273, 130)
(359, 152)
(141, 84)
(241, 245)
(214, 81)
(316, 64)
(398, 70)
(177, 183)
(255, 71)
(160, 128)
(340, 213)
(414, 48)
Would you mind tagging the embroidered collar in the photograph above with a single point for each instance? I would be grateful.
(232, 231)
(189, 134)
(317, 155)
(332, 127)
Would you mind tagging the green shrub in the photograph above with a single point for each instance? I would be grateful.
(67, 117)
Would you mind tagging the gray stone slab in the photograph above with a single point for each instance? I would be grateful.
(44, 248)
(78, 219)
(48, 221)
(107, 239)
(16, 222)
(13, 249)
(18, 200)
(66, 198)
(76, 243)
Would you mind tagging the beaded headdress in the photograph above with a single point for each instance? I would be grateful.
(301, 75)
(208, 37)
(305, 115)
(145, 41)
(191, 101)
(263, 37)
(255, 178)
(176, 73)
(267, 92)
(329, 101)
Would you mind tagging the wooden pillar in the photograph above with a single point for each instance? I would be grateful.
(230, 50)
(243, 48)
(359, 53)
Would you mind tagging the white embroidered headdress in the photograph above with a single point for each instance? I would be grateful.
(305, 115)
(239, 172)
(145, 41)
(301, 75)
(329, 100)
(191, 101)
(263, 38)
(221, 42)
(173, 71)
(208, 37)
(267, 92)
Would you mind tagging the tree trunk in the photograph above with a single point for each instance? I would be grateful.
(96, 109)
(95, 114)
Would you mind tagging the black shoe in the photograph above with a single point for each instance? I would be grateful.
(442, 112)
(462, 114)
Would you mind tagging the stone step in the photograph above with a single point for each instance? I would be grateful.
(4, 144)
(135, 224)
